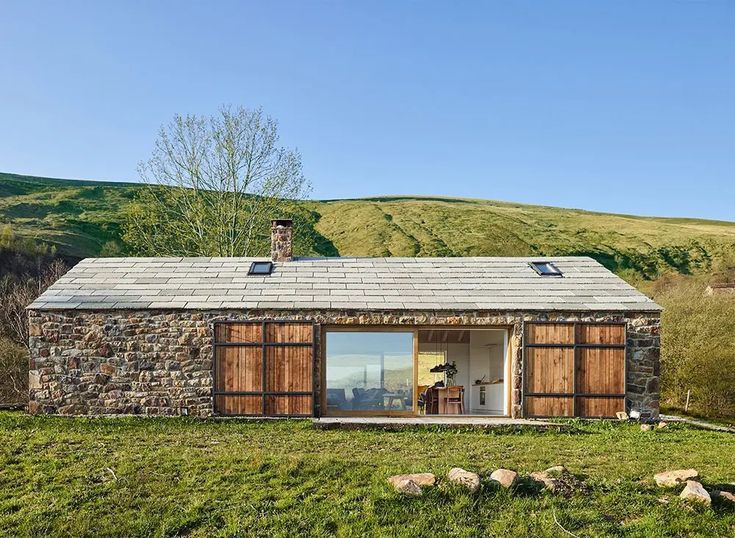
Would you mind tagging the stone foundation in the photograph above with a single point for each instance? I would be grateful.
(160, 362)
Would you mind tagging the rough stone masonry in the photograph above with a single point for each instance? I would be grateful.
(159, 362)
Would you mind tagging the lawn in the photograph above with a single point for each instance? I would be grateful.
(170, 477)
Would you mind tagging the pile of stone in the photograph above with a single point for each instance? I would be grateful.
(555, 479)
(693, 490)
(559, 480)
(645, 426)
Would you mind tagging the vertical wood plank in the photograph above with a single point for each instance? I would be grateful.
(287, 368)
(596, 371)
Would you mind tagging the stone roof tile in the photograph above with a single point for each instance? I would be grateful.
(342, 283)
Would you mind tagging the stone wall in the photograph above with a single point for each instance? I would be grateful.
(159, 362)
(643, 374)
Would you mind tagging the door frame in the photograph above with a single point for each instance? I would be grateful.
(324, 329)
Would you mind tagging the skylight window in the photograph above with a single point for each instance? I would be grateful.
(260, 268)
(545, 268)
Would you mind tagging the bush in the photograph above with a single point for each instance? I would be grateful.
(17, 292)
(697, 347)
(23, 277)
(13, 372)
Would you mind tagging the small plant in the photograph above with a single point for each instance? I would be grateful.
(450, 370)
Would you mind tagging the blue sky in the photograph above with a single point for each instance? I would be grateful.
(615, 106)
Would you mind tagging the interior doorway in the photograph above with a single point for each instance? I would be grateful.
(463, 372)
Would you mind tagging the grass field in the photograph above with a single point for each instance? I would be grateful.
(173, 477)
(81, 216)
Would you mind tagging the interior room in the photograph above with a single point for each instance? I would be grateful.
(462, 372)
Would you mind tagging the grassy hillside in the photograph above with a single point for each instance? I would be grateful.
(446, 227)
(81, 216)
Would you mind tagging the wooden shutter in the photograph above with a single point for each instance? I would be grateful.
(574, 369)
(264, 368)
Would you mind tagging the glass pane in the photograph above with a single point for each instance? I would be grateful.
(369, 371)
(427, 361)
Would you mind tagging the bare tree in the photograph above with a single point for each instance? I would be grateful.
(13, 372)
(213, 183)
(16, 293)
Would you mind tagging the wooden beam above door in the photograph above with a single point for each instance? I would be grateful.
(444, 337)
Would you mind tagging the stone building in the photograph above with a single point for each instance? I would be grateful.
(721, 288)
(520, 337)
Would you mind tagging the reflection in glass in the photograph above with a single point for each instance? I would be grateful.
(369, 371)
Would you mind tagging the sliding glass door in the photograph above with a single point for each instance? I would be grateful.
(369, 372)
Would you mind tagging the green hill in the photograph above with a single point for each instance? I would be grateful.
(81, 216)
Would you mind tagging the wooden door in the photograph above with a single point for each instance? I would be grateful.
(264, 368)
(574, 369)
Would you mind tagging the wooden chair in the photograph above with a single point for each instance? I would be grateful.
(432, 401)
(455, 400)
(422, 398)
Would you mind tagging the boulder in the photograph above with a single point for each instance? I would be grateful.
(505, 477)
(694, 492)
(622, 415)
(646, 427)
(662, 424)
(669, 479)
(407, 487)
(420, 479)
(464, 478)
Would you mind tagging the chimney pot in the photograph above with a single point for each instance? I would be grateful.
(281, 240)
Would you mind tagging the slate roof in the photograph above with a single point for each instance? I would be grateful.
(342, 283)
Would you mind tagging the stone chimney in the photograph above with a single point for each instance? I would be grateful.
(282, 240)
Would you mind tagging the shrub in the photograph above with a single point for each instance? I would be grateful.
(697, 347)
(13, 372)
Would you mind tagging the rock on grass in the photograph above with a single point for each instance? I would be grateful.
(420, 479)
(724, 496)
(464, 478)
(408, 487)
(504, 477)
(670, 479)
(559, 480)
(694, 492)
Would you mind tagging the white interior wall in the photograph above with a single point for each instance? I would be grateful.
(483, 356)
(487, 358)
(460, 353)
(486, 352)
